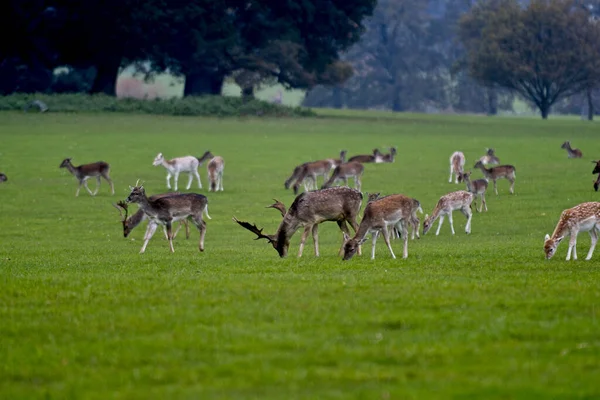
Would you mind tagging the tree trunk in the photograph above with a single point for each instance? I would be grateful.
(492, 96)
(106, 77)
(590, 104)
(544, 110)
(248, 93)
(337, 97)
(203, 82)
(397, 101)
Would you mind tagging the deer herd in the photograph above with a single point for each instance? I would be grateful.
(391, 215)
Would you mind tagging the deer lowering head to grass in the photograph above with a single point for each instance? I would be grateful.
(342, 172)
(310, 172)
(499, 172)
(177, 165)
(368, 158)
(571, 153)
(413, 222)
(596, 171)
(86, 171)
(460, 200)
(490, 158)
(457, 164)
(215, 168)
(581, 218)
(168, 209)
(309, 209)
(478, 188)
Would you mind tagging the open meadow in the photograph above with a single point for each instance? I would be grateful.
(83, 315)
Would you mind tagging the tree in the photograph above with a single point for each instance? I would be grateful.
(545, 51)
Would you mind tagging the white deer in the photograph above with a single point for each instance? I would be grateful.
(457, 164)
(215, 168)
(460, 200)
(175, 166)
(584, 217)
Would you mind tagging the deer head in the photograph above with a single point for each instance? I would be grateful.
(158, 159)
(550, 245)
(372, 196)
(259, 235)
(65, 163)
(122, 206)
(565, 145)
(351, 246)
(137, 193)
(278, 206)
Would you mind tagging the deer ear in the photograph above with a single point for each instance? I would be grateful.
(346, 237)
(546, 237)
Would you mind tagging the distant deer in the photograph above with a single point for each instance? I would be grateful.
(596, 171)
(414, 221)
(584, 217)
(499, 172)
(368, 158)
(3, 178)
(337, 161)
(86, 171)
(352, 169)
(187, 164)
(460, 200)
(571, 153)
(307, 172)
(478, 187)
(490, 158)
(390, 211)
(309, 209)
(457, 164)
(215, 169)
(389, 158)
(168, 209)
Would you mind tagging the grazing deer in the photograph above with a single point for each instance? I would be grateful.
(3, 178)
(490, 158)
(394, 210)
(414, 221)
(571, 153)
(309, 209)
(168, 209)
(478, 188)
(457, 164)
(351, 169)
(460, 200)
(215, 169)
(389, 158)
(86, 171)
(499, 172)
(581, 218)
(302, 175)
(177, 165)
(368, 158)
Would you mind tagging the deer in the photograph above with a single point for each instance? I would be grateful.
(368, 158)
(395, 210)
(499, 172)
(571, 153)
(351, 169)
(390, 157)
(85, 171)
(3, 177)
(478, 187)
(459, 200)
(177, 165)
(168, 209)
(457, 164)
(309, 209)
(310, 171)
(490, 158)
(300, 175)
(215, 169)
(414, 221)
(584, 217)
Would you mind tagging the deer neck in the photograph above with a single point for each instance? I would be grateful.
(72, 169)
(561, 228)
(135, 219)
(363, 230)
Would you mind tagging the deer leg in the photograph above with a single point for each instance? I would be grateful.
(512, 186)
(149, 233)
(594, 236)
(97, 185)
(176, 179)
(386, 237)
(87, 188)
(451, 222)
(187, 228)
(495, 187)
(169, 181)
(110, 182)
(221, 180)
(190, 179)
(201, 225)
(357, 182)
(315, 235)
(450, 179)
(303, 239)
(170, 236)
(484, 204)
(440, 225)
(178, 229)
(405, 238)
(467, 213)
(79, 188)
(572, 246)
(195, 171)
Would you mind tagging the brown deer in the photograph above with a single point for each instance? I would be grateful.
(168, 209)
(177, 165)
(499, 172)
(596, 171)
(368, 158)
(215, 168)
(86, 171)
(490, 158)
(414, 220)
(351, 169)
(460, 200)
(390, 211)
(302, 175)
(581, 218)
(457, 164)
(309, 209)
(571, 153)
(389, 158)
(478, 187)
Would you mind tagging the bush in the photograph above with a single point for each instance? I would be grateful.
(217, 106)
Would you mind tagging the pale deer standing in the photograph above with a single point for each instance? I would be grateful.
(571, 153)
(351, 169)
(368, 158)
(86, 171)
(215, 168)
(309, 209)
(581, 218)
(478, 187)
(414, 220)
(177, 165)
(499, 172)
(390, 211)
(389, 158)
(460, 200)
(490, 158)
(166, 210)
(457, 164)
(596, 171)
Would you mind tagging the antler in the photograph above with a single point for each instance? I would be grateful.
(279, 206)
(254, 229)
(121, 205)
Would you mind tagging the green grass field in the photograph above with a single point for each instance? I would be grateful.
(83, 315)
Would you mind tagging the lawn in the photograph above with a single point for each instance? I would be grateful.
(83, 315)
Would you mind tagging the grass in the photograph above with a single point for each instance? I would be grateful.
(83, 315)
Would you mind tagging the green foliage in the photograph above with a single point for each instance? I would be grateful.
(218, 106)
(478, 316)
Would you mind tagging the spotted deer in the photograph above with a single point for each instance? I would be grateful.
(596, 171)
(490, 158)
(571, 153)
(460, 200)
(86, 171)
(169, 209)
(478, 187)
(499, 172)
(457, 164)
(414, 220)
(394, 210)
(584, 217)
(215, 168)
(352, 169)
(177, 165)
(376, 157)
(309, 209)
